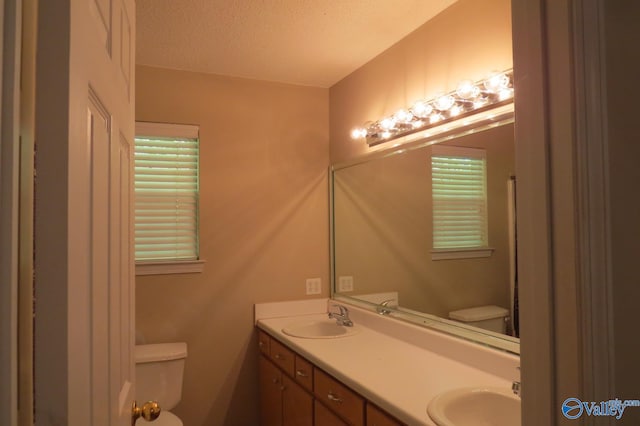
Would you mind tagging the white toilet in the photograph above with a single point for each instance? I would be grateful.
(159, 372)
(489, 317)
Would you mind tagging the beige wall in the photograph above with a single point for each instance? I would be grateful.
(466, 41)
(263, 227)
(383, 219)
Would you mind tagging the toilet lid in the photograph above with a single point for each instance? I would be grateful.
(167, 418)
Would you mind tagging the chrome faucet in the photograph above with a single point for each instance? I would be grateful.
(341, 316)
(515, 386)
(382, 307)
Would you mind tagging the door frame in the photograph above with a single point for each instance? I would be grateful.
(531, 26)
(10, 40)
(564, 255)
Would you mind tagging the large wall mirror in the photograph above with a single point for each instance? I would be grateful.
(426, 233)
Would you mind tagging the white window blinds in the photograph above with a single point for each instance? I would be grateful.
(166, 192)
(459, 198)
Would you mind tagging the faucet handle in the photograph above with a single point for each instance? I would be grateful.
(342, 310)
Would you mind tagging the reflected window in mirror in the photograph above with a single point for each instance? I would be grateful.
(459, 194)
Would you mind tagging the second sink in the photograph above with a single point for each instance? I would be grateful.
(475, 406)
(319, 329)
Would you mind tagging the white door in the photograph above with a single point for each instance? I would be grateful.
(84, 373)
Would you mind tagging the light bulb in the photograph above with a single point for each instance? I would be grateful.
(388, 123)
(421, 109)
(455, 110)
(467, 90)
(359, 133)
(505, 94)
(443, 103)
(386, 134)
(402, 116)
(496, 82)
(434, 118)
(479, 103)
(417, 124)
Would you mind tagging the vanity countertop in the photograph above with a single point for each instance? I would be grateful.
(390, 363)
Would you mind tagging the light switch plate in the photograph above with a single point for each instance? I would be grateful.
(345, 283)
(314, 286)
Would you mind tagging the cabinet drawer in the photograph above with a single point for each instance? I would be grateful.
(304, 373)
(340, 399)
(263, 342)
(377, 417)
(282, 356)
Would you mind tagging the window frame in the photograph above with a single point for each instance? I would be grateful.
(462, 252)
(170, 266)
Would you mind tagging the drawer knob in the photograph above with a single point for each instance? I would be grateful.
(278, 356)
(301, 373)
(334, 398)
(261, 344)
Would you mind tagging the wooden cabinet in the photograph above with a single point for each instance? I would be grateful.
(304, 373)
(376, 417)
(297, 404)
(294, 392)
(325, 417)
(283, 398)
(264, 342)
(270, 378)
(339, 398)
(282, 356)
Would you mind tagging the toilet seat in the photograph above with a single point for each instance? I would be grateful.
(167, 418)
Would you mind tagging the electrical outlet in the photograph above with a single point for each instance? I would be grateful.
(314, 285)
(345, 283)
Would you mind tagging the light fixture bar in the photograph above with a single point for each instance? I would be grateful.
(468, 99)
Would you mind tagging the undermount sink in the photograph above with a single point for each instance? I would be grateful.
(479, 406)
(319, 329)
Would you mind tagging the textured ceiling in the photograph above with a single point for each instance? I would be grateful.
(307, 42)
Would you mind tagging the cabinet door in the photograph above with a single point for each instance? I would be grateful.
(270, 393)
(377, 417)
(324, 417)
(297, 404)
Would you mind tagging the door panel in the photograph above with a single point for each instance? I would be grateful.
(297, 404)
(98, 139)
(84, 259)
(270, 384)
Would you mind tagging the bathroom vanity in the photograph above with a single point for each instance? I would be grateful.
(385, 372)
(294, 391)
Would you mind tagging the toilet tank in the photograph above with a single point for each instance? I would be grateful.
(488, 317)
(159, 373)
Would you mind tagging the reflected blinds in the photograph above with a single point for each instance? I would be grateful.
(166, 192)
(459, 198)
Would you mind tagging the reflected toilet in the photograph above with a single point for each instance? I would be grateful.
(488, 317)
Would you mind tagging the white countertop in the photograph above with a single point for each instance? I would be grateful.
(396, 365)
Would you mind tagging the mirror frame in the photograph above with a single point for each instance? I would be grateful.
(495, 118)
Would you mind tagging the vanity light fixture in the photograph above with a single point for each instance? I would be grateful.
(468, 98)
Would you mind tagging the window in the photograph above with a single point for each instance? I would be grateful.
(166, 198)
(459, 194)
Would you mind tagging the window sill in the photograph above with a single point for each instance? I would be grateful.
(470, 253)
(172, 267)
